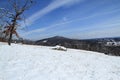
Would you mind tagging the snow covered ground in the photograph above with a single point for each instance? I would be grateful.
(24, 62)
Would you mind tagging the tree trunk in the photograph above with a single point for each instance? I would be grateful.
(10, 38)
(11, 31)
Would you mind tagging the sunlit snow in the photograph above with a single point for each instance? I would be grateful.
(27, 62)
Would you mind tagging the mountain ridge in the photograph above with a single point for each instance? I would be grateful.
(98, 45)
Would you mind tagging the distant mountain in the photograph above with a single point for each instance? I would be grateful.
(57, 40)
(98, 45)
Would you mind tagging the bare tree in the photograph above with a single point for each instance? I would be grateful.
(13, 14)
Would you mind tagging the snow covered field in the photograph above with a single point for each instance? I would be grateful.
(24, 62)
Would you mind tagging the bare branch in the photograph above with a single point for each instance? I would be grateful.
(11, 17)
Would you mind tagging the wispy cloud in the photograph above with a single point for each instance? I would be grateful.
(52, 6)
(103, 30)
(106, 32)
(70, 21)
(107, 25)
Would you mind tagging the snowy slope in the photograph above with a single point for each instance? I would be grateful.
(23, 62)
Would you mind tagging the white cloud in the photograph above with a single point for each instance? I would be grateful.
(52, 6)
(104, 27)
(71, 21)
(109, 32)
(65, 3)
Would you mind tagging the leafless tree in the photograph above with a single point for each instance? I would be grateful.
(13, 14)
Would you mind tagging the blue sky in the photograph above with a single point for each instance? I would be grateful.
(80, 19)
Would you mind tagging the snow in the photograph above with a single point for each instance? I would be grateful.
(27, 62)
(45, 41)
(58, 47)
(113, 43)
